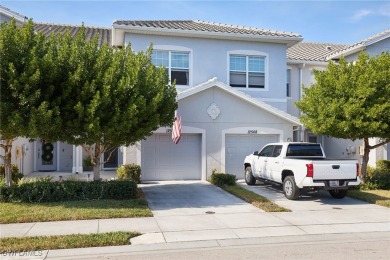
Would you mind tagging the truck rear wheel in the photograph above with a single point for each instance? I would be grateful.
(338, 194)
(249, 179)
(290, 189)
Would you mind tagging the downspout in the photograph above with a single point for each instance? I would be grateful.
(302, 128)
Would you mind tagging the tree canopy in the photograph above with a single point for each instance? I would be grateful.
(350, 100)
(72, 90)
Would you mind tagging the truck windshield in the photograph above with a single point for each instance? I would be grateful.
(304, 150)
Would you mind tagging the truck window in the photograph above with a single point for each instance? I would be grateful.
(277, 150)
(304, 150)
(267, 151)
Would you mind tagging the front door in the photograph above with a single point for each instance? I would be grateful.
(110, 161)
(47, 156)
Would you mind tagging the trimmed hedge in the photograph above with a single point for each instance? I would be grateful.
(379, 177)
(129, 171)
(15, 174)
(383, 165)
(222, 179)
(45, 190)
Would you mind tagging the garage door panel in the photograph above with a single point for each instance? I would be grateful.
(239, 146)
(171, 161)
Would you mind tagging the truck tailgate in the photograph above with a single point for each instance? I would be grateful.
(334, 170)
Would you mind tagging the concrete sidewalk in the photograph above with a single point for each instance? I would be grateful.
(198, 212)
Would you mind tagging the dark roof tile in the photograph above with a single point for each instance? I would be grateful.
(104, 34)
(313, 51)
(195, 25)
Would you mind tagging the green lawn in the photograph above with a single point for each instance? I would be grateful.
(73, 210)
(378, 197)
(29, 244)
(255, 199)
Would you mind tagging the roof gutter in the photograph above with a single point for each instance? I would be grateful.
(288, 40)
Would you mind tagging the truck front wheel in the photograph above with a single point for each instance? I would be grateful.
(249, 179)
(338, 194)
(290, 189)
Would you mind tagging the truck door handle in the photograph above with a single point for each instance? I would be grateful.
(335, 166)
(276, 162)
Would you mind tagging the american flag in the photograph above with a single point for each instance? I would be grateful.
(176, 128)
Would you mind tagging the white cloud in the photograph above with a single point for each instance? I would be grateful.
(360, 14)
(383, 10)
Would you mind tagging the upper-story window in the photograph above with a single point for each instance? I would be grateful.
(176, 64)
(288, 86)
(247, 71)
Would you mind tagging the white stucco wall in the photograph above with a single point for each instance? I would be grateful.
(210, 58)
(235, 113)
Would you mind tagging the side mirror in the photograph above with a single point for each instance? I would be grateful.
(256, 153)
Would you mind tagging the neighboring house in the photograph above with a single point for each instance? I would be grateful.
(6, 15)
(236, 92)
(302, 58)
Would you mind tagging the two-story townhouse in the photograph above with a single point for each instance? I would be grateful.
(231, 94)
(302, 58)
(234, 95)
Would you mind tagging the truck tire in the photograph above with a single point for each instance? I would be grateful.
(290, 189)
(338, 194)
(249, 179)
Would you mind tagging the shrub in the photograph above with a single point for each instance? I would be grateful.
(378, 178)
(383, 166)
(129, 171)
(15, 174)
(45, 190)
(221, 179)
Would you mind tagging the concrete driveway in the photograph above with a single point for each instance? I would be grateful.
(193, 211)
(319, 213)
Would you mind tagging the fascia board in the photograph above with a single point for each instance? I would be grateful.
(11, 14)
(307, 62)
(347, 52)
(214, 35)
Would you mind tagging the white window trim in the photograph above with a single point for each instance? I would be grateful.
(251, 53)
(177, 48)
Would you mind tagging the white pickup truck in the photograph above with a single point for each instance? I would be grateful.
(301, 166)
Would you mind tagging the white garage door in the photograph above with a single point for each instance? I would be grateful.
(239, 146)
(161, 159)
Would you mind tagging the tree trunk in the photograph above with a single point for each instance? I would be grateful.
(7, 161)
(366, 157)
(96, 160)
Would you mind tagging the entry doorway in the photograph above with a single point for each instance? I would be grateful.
(46, 156)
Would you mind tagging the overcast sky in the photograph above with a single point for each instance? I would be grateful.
(317, 21)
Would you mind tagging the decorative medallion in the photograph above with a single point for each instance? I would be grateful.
(213, 111)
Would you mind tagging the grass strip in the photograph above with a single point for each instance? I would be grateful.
(378, 197)
(28, 244)
(73, 210)
(254, 199)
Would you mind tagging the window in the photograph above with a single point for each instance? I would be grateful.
(288, 87)
(277, 150)
(304, 150)
(176, 64)
(267, 151)
(247, 71)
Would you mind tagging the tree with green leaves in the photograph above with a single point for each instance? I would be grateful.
(98, 97)
(350, 100)
(20, 52)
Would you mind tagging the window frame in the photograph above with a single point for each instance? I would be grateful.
(178, 49)
(288, 83)
(248, 54)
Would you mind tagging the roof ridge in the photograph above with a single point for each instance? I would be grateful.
(247, 27)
